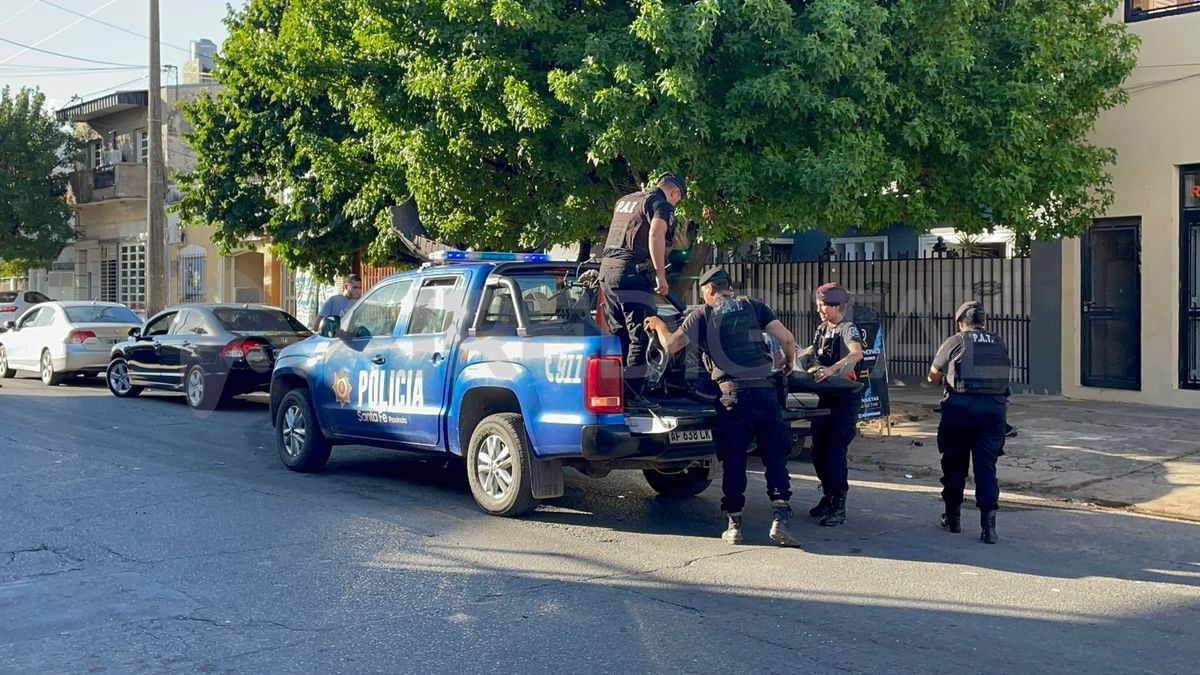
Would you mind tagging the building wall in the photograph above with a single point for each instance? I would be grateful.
(1154, 134)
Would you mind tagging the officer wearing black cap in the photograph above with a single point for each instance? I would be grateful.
(729, 330)
(973, 365)
(634, 267)
(838, 346)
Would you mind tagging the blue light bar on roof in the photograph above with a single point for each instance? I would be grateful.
(486, 256)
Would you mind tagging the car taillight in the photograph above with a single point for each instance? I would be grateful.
(604, 384)
(77, 337)
(245, 348)
(7, 310)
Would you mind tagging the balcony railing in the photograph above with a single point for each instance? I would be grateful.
(126, 180)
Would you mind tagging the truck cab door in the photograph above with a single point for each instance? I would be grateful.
(347, 395)
(420, 363)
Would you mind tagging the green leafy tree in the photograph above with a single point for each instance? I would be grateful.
(520, 123)
(35, 156)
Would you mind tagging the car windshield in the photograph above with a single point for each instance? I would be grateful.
(8, 296)
(246, 320)
(101, 314)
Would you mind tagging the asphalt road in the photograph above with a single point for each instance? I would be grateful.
(138, 536)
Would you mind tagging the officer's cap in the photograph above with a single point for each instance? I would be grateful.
(832, 294)
(714, 274)
(677, 180)
(971, 309)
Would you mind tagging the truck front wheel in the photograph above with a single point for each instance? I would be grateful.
(499, 466)
(687, 483)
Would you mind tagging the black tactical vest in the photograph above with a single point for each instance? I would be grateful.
(982, 367)
(734, 341)
(629, 232)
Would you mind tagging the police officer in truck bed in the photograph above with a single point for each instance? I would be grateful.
(729, 329)
(634, 267)
(973, 365)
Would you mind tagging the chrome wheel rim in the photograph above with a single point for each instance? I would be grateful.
(3, 360)
(118, 378)
(493, 466)
(47, 368)
(195, 386)
(294, 431)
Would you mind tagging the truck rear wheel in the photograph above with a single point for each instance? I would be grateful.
(499, 466)
(687, 483)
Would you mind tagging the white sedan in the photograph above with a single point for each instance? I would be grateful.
(14, 303)
(57, 339)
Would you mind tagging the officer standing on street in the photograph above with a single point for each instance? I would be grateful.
(729, 330)
(634, 267)
(974, 367)
(838, 346)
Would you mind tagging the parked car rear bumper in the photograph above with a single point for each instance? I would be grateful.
(76, 359)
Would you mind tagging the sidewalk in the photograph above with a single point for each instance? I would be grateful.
(1142, 458)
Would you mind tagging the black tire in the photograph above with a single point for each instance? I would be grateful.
(499, 466)
(307, 450)
(202, 394)
(800, 447)
(50, 377)
(5, 372)
(687, 483)
(117, 379)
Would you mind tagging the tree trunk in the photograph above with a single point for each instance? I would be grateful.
(585, 251)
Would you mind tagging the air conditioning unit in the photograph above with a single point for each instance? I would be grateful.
(112, 157)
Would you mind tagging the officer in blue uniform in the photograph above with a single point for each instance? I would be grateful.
(633, 270)
(973, 365)
(838, 347)
(729, 330)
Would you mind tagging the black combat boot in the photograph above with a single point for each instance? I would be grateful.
(821, 509)
(781, 532)
(733, 532)
(952, 518)
(837, 510)
(987, 521)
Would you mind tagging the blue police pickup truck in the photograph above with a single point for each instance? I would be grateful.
(495, 358)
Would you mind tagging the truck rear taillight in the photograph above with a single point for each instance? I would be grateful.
(604, 384)
(78, 337)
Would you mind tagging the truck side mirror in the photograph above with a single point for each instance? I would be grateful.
(329, 326)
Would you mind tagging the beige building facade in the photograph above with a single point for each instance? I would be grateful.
(108, 193)
(1131, 295)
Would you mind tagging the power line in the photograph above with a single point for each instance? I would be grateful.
(114, 26)
(65, 73)
(65, 56)
(13, 67)
(19, 12)
(115, 86)
(60, 30)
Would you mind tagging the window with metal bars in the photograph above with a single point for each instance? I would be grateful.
(133, 275)
(191, 277)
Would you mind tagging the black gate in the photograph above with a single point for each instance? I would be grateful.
(1111, 305)
(1189, 280)
(912, 300)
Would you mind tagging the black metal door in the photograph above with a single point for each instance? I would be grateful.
(1112, 305)
(1189, 279)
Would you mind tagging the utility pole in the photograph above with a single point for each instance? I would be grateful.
(156, 194)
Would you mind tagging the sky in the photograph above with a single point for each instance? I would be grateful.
(59, 26)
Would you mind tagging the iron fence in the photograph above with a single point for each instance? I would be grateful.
(912, 300)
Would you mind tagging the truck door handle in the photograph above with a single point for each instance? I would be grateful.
(379, 359)
(437, 358)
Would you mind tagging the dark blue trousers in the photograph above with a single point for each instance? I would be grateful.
(831, 440)
(628, 300)
(972, 428)
(748, 414)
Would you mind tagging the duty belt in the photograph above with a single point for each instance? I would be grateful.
(734, 385)
(642, 267)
